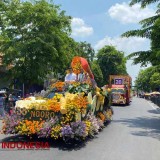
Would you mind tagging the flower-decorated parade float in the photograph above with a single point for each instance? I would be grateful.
(74, 110)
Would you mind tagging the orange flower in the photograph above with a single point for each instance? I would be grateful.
(101, 116)
(58, 85)
(81, 102)
(76, 65)
(27, 127)
(53, 105)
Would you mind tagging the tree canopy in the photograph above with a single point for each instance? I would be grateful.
(144, 3)
(85, 50)
(97, 73)
(150, 29)
(34, 38)
(153, 33)
(111, 61)
(148, 79)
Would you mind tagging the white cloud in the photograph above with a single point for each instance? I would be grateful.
(126, 14)
(127, 45)
(80, 29)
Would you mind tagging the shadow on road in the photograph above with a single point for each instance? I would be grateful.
(119, 105)
(157, 111)
(149, 127)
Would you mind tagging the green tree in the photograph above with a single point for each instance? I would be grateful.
(155, 80)
(150, 29)
(151, 56)
(155, 45)
(85, 50)
(148, 79)
(143, 80)
(111, 61)
(34, 38)
(144, 3)
(97, 73)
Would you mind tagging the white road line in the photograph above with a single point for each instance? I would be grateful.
(152, 105)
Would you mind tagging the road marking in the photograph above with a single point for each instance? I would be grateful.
(152, 105)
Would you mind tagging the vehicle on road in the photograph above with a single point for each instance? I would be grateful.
(120, 89)
(70, 110)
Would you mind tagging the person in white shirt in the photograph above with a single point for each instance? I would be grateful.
(70, 77)
(81, 76)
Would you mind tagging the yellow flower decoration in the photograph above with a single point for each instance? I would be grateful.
(55, 132)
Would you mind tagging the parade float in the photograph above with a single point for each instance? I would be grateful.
(77, 110)
(120, 86)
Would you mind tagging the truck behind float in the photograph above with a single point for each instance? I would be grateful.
(120, 86)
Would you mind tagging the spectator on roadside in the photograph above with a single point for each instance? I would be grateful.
(14, 98)
(43, 92)
(10, 98)
(11, 102)
(31, 95)
(27, 95)
(2, 99)
(19, 98)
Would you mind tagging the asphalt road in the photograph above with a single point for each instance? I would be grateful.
(134, 134)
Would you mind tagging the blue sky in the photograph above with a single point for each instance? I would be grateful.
(101, 22)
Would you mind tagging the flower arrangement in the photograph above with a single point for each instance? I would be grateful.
(38, 106)
(94, 125)
(27, 127)
(45, 131)
(100, 123)
(81, 101)
(53, 105)
(57, 97)
(108, 114)
(77, 87)
(76, 65)
(70, 99)
(79, 129)
(64, 126)
(66, 132)
(55, 131)
(88, 127)
(30, 103)
(101, 116)
(10, 123)
(72, 113)
(58, 86)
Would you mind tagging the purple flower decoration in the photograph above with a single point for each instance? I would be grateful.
(45, 131)
(79, 129)
(95, 125)
(11, 122)
(66, 131)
